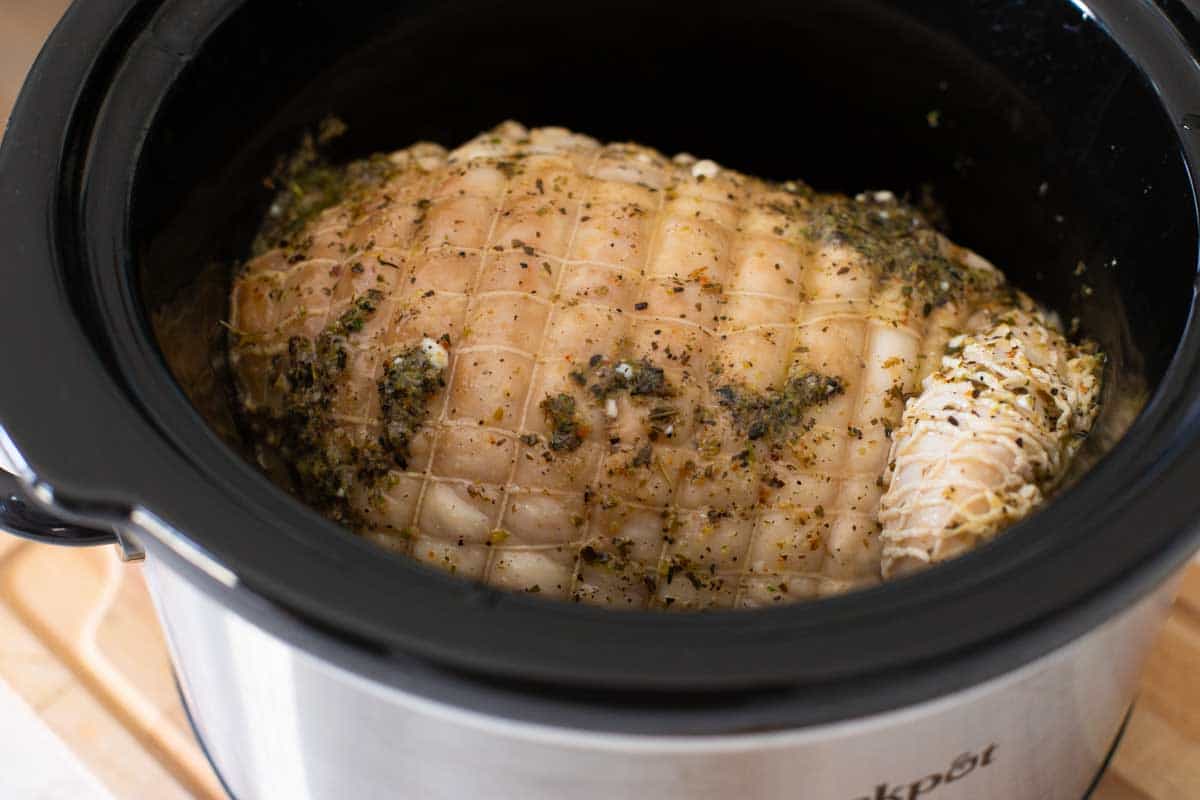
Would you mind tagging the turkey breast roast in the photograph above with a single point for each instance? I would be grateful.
(597, 373)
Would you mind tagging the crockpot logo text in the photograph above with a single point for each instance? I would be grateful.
(960, 768)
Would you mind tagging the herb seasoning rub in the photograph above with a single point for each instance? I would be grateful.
(598, 374)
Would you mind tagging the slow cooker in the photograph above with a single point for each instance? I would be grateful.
(1062, 139)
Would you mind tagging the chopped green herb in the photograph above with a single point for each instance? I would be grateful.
(896, 238)
(310, 372)
(409, 381)
(770, 413)
(565, 427)
(353, 319)
(640, 378)
(306, 184)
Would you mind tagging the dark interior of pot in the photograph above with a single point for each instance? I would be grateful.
(1034, 131)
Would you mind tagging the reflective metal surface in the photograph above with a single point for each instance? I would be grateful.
(281, 723)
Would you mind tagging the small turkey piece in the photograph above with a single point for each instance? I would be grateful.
(991, 432)
(531, 253)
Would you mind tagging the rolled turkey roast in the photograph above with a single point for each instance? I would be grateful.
(596, 373)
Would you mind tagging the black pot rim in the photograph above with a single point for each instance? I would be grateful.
(103, 433)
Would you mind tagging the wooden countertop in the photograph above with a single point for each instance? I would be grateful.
(79, 643)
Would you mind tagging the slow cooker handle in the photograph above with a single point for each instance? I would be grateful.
(20, 518)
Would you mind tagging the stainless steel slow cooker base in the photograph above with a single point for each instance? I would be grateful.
(1112, 750)
(187, 713)
(294, 726)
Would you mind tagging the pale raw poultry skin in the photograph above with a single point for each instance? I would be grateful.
(525, 256)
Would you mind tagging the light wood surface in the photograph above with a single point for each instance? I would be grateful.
(24, 24)
(80, 644)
